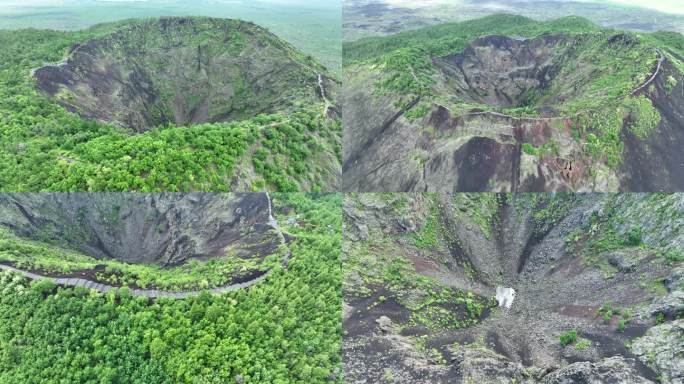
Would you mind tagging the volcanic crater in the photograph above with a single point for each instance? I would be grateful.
(182, 71)
(550, 113)
(502, 71)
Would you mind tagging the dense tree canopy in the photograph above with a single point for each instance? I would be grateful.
(286, 329)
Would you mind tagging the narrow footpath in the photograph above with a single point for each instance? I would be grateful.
(153, 293)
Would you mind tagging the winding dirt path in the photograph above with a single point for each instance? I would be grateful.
(153, 293)
(661, 58)
(321, 87)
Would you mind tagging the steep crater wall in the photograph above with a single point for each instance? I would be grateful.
(164, 229)
(502, 71)
(546, 73)
(656, 164)
(182, 71)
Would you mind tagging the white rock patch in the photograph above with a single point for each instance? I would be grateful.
(505, 296)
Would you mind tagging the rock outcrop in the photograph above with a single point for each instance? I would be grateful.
(662, 347)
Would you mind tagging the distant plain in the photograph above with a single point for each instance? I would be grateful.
(312, 26)
(364, 18)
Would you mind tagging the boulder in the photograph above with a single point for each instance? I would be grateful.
(662, 348)
(671, 305)
(624, 260)
(478, 364)
(384, 324)
(613, 370)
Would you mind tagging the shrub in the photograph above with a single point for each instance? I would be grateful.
(417, 112)
(529, 149)
(582, 344)
(43, 286)
(633, 237)
(674, 256)
(645, 116)
(670, 84)
(568, 337)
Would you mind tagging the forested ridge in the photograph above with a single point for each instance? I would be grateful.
(286, 329)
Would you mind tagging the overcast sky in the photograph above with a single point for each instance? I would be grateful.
(669, 6)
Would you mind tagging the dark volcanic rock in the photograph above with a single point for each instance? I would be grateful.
(614, 370)
(502, 71)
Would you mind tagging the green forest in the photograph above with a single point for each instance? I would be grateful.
(286, 329)
(43, 147)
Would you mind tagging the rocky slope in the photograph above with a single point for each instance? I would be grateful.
(570, 109)
(163, 229)
(183, 71)
(598, 282)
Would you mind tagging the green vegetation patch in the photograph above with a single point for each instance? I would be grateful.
(481, 208)
(567, 338)
(547, 208)
(380, 264)
(427, 236)
(417, 112)
(582, 344)
(431, 304)
(606, 234)
(645, 118)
